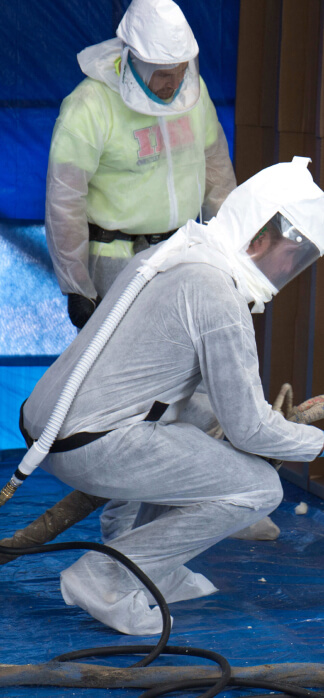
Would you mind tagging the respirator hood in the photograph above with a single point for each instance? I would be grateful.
(157, 31)
(287, 188)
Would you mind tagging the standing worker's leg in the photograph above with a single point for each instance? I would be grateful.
(210, 490)
(108, 259)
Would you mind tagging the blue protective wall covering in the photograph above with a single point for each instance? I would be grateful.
(18, 378)
(25, 135)
(38, 44)
(33, 317)
(34, 324)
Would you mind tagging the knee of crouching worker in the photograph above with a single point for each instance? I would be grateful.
(273, 486)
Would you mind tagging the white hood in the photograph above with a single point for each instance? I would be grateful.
(286, 187)
(157, 32)
(98, 62)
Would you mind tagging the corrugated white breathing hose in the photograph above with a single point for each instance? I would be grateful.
(36, 454)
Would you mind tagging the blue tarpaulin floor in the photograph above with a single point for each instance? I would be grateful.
(269, 607)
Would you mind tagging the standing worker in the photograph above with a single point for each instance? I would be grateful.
(136, 151)
(124, 436)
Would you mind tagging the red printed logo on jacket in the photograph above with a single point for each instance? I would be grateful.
(150, 139)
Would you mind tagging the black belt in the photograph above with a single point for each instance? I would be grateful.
(97, 234)
(82, 438)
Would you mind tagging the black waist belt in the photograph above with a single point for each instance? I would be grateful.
(97, 234)
(82, 438)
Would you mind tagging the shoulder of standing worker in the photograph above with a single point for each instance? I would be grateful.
(204, 94)
(102, 62)
(101, 65)
(88, 107)
(203, 87)
(208, 109)
(88, 93)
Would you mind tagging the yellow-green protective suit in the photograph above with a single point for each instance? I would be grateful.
(140, 174)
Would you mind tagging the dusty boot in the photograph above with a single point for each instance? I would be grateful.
(265, 529)
(181, 585)
(108, 592)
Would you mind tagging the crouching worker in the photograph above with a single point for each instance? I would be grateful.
(124, 438)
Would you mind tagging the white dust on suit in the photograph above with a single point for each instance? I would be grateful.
(189, 323)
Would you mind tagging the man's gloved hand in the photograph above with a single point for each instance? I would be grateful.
(81, 308)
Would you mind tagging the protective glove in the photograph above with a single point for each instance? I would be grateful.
(321, 454)
(80, 309)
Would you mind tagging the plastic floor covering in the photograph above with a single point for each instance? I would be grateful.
(269, 608)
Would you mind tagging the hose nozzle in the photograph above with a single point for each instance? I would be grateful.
(29, 462)
(9, 490)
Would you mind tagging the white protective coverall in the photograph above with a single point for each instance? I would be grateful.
(191, 322)
(123, 161)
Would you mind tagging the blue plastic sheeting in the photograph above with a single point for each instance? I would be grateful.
(25, 136)
(38, 46)
(33, 318)
(249, 621)
(16, 384)
(34, 324)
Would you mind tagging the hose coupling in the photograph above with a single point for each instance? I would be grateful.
(10, 488)
(7, 492)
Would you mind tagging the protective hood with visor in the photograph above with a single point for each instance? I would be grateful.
(281, 205)
(156, 33)
(280, 251)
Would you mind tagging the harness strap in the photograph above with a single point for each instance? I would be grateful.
(24, 432)
(97, 234)
(82, 438)
(156, 411)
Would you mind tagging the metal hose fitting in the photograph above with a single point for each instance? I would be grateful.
(8, 491)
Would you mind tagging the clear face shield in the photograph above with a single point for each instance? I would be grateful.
(166, 81)
(281, 252)
(159, 89)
